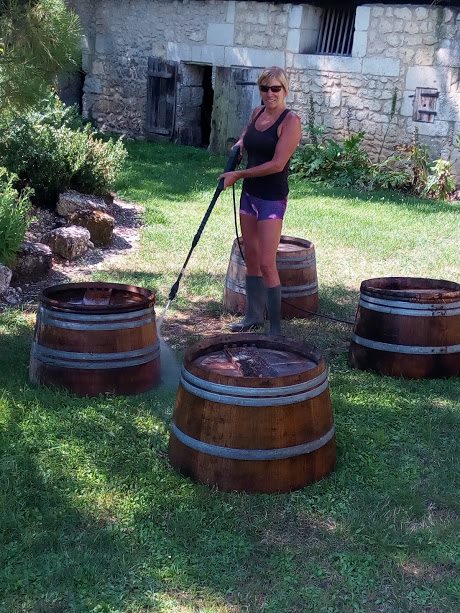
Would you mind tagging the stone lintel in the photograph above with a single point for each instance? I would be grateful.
(327, 63)
(247, 56)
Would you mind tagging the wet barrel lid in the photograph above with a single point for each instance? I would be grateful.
(252, 356)
(291, 244)
(413, 289)
(97, 297)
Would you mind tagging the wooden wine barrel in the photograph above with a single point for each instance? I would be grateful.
(253, 414)
(407, 327)
(94, 338)
(296, 265)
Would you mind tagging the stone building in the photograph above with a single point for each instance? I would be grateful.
(186, 70)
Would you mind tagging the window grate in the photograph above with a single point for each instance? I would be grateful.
(336, 32)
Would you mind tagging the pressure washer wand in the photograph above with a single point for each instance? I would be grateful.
(230, 165)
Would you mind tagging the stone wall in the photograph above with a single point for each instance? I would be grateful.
(396, 49)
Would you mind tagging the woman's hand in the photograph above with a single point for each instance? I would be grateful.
(230, 178)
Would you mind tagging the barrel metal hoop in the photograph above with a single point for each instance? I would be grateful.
(88, 326)
(235, 287)
(282, 263)
(299, 290)
(93, 361)
(411, 309)
(89, 317)
(276, 396)
(220, 388)
(294, 263)
(286, 290)
(231, 453)
(409, 349)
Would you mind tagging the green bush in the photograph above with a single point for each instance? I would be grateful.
(51, 150)
(344, 164)
(440, 182)
(14, 209)
(100, 164)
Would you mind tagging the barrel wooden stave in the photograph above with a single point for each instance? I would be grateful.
(97, 349)
(266, 427)
(408, 327)
(258, 476)
(296, 266)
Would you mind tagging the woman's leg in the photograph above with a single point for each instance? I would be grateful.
(269, 232)
(255, 288)
(248, 225)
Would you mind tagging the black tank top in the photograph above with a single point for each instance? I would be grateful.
(260, 146)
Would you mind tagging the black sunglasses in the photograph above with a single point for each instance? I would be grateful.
(273, 88)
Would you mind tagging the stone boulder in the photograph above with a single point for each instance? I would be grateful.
(72, 201)
(99, 224)
(70, 242)
(33, 260)
(5, 277)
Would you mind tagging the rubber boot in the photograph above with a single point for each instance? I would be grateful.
(255, 305)
(274, 310)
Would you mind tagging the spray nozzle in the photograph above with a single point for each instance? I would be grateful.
(173, 290)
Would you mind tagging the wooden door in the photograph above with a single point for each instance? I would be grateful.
(235, 95)
(161, 98)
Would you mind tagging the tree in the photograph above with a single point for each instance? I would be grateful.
(38, 40)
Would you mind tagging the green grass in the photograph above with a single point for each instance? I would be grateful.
(93, 518)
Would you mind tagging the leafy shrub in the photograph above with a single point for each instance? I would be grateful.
(51, 150)
(14, 209)
(100, 164)
(347, 164)
(344, 164)
(440, 182)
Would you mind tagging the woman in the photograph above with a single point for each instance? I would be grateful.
(270, 139)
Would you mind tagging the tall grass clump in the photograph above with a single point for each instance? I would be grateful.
(51, 149)
(14, 208)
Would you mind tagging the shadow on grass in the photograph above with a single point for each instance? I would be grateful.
(169, 172)
(94, 516)
(423, 206)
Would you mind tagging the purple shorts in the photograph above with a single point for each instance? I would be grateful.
(262, 209)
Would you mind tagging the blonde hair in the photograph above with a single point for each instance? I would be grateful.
(274, 72)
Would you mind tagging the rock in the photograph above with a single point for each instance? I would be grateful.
(33, 260)
(72, 201)
(70, 242)
(5, 277)
(11, 296)
(100, 225)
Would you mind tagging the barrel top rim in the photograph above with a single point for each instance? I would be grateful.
(46, 297)
(219, 341)
(424, 289)
(285, 238)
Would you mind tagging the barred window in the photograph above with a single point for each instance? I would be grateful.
(335, 36)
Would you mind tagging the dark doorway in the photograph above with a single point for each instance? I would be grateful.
(70, 88)
(206, 106)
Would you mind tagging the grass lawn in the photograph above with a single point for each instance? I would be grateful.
(93, 518)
